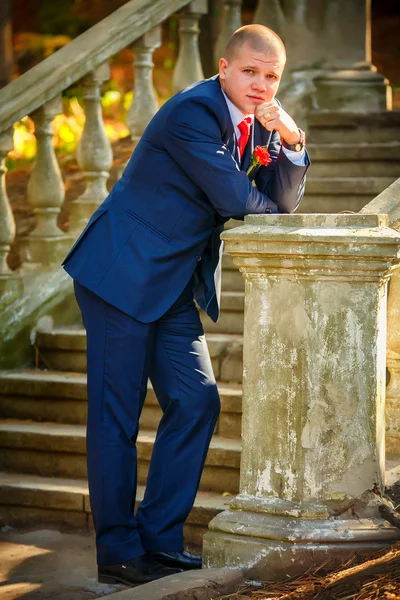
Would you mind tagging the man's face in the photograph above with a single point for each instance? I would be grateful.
(250, 77)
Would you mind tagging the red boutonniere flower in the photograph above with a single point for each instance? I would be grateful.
(260, 156)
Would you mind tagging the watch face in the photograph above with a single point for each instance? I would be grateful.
(298, 147)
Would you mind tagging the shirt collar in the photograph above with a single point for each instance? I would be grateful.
(235, 113)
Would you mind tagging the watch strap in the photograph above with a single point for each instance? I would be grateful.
(299, 145)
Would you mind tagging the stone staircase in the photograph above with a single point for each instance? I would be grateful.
(355, 156)
(43, 416)
(43, 410)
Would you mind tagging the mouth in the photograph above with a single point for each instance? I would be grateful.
(256, 99)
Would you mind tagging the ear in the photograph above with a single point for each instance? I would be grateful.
(223, 65)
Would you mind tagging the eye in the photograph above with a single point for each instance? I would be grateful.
(271, 76)
(248, 71)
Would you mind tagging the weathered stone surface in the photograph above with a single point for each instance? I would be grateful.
(389, 202)
(47, 294)
(315, 295)
(192, 585)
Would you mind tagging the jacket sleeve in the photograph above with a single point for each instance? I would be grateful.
(282, 181)
(193, 139)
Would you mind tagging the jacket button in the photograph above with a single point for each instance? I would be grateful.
(198, 258)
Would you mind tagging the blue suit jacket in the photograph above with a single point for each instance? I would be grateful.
(162, 220)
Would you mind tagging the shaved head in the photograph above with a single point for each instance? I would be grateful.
(259, 38)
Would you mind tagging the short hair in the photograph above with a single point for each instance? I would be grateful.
(259, 37)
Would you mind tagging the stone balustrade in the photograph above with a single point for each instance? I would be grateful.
(313, 457)
(38, 93)
(388, 202)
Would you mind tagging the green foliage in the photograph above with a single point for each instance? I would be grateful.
(57, 18)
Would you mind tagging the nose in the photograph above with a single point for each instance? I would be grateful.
(259, 83)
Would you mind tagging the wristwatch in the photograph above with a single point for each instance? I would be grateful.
(300, 144)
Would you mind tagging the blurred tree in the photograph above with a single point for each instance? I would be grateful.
(57, 18)
(92, 11)
(6, 46)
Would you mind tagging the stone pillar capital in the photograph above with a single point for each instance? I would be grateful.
(357, 247)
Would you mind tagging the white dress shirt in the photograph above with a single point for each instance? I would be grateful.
(297, 158)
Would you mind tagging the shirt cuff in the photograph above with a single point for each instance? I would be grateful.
(297, 158)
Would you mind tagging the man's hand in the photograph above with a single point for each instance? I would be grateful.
(272, 116)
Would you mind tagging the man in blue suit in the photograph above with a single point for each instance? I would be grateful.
(146, 253)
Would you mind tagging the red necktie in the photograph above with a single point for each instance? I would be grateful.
(244, 128)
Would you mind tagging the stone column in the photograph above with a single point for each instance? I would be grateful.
(313, 393)
(188, 67)
(94, 152)
(46, 244)
(393, 365)
(270, 13)
(144, 103)
(328, 56)
(353, 83)
(231, 20)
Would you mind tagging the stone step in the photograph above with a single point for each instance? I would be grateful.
(58, 450)
(350, 128)
(333, 204)
(61, 397)
(232, 279)
(355, 160)
(32, 500)
(347, 186)
(333, 194)
(64, 349)
(231, 316)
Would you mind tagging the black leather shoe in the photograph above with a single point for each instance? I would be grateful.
(136, 571)
(181, 560)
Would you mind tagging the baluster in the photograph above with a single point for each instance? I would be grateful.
(94, 153)
(270, 13)
(46, 244)
(232, 20)
(10, 283)
(144, 104)
(188, 67)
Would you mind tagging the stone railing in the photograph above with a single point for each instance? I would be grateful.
(37, 93)
(388, 202)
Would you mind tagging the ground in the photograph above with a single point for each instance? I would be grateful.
(39, 564)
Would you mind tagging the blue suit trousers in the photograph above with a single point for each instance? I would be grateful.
(123, 354)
